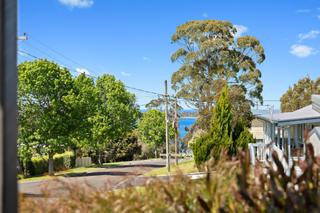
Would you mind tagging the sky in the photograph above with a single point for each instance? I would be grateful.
(131, 39)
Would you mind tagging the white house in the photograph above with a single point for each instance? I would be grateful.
(286, 132)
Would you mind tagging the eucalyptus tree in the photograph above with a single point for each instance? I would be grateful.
(211, 56)
(44, 110)
(299, 95)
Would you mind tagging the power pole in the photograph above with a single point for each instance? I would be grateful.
(176, 133)
(167, 127)
(24, 37)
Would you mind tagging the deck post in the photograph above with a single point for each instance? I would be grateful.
(289, 142)
(282, 141)
(278, 137)
(296, 140)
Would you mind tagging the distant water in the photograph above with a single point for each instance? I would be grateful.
(185, 122)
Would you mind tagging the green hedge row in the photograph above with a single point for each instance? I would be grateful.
(39, 165)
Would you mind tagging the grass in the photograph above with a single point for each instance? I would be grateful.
(72, 172)
(184, 168)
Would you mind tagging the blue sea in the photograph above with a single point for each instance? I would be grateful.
(185, 122)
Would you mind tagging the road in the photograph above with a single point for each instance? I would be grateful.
(114, 177)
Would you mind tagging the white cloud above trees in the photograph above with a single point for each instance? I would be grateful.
(77, 3)
(302, 51)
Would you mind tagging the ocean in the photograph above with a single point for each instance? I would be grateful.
(185, 122)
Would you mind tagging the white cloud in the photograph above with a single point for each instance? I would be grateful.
(240, 30)
(77, 3)
(205, 15)
(318, 16)
(303, 11)
(83, 70)
(126, 74)
(310, 35)
(302, 51)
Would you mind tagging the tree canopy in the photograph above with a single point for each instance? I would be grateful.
(151, 128)
(44, 110)
(299, 95)
(116, 112)
(211, 56)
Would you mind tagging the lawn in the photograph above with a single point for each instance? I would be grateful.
(72, 172)
(184, 168)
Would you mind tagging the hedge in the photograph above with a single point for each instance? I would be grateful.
(39, 164)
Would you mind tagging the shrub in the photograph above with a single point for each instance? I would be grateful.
(147, 151)
(123, 149)
(244, 139)
(201, 149)
(39, 165)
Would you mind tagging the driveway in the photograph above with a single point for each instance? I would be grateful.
(103, 178)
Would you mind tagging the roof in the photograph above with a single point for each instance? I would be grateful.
(303, 114)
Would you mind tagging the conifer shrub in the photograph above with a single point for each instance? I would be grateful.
(219, 137)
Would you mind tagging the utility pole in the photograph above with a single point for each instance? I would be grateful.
(176, 133)
(167, 127)
(24, 37)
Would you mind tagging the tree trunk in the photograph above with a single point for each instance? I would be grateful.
(155, 153)
(99, 158)
(50, 169)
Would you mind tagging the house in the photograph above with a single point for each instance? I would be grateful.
(286, 132)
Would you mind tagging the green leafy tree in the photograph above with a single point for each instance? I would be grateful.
(152, 130)
(44, 112)
(83, 102)
(211, 56)
(115, 115)
(299, 95)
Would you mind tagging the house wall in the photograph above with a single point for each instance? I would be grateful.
(257, 130)
(315, 141)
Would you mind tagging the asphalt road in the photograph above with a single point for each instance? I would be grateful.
(114, 177)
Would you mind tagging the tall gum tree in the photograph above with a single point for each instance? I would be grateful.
(299, 95)
(211, 55)
(44, 113)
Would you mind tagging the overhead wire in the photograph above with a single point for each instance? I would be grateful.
(95, 77)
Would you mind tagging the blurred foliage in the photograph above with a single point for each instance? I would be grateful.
(277, 189)
(229, 186)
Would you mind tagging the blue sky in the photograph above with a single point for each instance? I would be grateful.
(131, 38)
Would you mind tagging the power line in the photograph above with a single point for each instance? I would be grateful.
(60, 54)
(171, 97)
